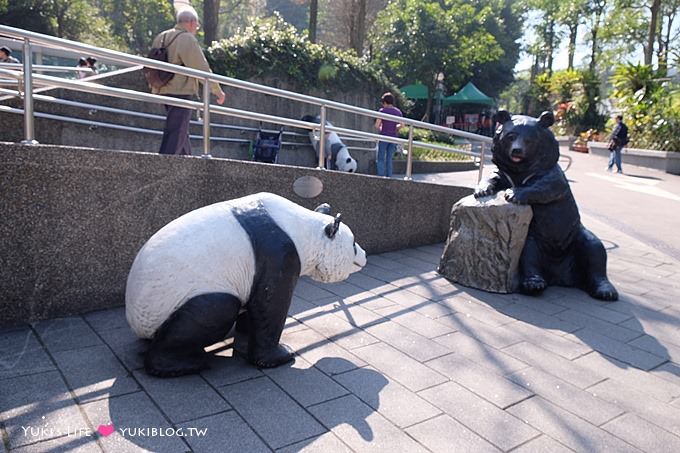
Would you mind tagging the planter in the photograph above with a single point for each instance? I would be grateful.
(579, 148)
(565, 140)
(667, 161)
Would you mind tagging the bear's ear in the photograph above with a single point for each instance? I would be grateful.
(546, 119)
(332, 228)
(324, 208)
(502, 117)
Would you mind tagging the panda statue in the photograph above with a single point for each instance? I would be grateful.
(334, 148)
(234, 263)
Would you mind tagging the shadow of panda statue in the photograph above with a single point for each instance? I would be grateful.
(558, 250)
(334, 149)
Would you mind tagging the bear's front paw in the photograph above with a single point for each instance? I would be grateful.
(483, 191)
(604, 290)
(533, 285)
(515, 197)
(277, 356)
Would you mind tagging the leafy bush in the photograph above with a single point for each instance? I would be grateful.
(270, 47)
(434, 155)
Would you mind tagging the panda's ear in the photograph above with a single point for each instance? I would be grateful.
(546, 119)
(502, 117)
(332, 228)
(324, 208)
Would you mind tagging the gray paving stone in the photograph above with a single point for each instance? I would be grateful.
(498, 337)
(649, 383)
(364, 281)
(306, 290)
(642, 434)
(335, 328)
(415, 264)
(568, 345)
(94, 373)
(17, 339)
(225, 433)
(568, 429)
(543, 444)
(182, 398)
(415, 321)
(278, 419)
(466, 307)
(567, 396)
(658, 347)
(224, 368)
(618, 350)
(485, 419)
(74, 442)
(394, 401)
(663, 324)
(342, 289)
(134, 417)
(605, 328)
(304, 383)
(369, 300)
(113, 318)
(580, 375)
(27, 357)
(433, 292)
(490, 386)
(384, 262)
(400, 367)
(442, 433)
(324, 354)
(34, 402)
(413, 301)
(126, 346)
(541, 306)
(379, 273)
(325, 443)
(551, 323)
(407, 341)
(668, 371)
(64, 334)
(630, 304)
(482, 354)
(362, 428)
(637, 402)
(593, 308)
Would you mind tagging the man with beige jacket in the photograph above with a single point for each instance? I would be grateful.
(184, 50)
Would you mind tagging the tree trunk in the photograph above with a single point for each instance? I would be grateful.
(211, 15)
(358, 28)
(313, 16)
(551, 45)
(600, 6)
(651, 35)
(573, 29)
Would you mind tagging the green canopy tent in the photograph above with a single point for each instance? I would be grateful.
(469, 94)
(417, 91)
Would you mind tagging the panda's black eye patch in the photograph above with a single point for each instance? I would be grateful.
(349, 159)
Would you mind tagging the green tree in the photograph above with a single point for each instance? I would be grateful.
(137, 22)
(416, 40)
(570, 15)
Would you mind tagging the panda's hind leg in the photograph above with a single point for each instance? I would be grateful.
(177, 346)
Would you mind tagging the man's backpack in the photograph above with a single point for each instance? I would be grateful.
(157, 78)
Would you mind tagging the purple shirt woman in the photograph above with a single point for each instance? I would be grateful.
(388, 128)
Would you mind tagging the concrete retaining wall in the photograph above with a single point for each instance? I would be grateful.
(74, 218)
(660, 160)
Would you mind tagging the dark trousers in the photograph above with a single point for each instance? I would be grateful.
(176, 132)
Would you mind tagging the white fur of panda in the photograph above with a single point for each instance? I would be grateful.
(208, 251)
(343, 160)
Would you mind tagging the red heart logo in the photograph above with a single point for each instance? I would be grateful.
(106, 430)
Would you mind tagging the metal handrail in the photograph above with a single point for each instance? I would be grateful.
(49, 68)
(205, 78)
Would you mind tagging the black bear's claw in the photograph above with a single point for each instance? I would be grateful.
(534, 284)
(604, 290)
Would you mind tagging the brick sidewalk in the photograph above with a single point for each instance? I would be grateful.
(395, 359)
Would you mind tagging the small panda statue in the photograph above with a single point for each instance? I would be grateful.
(334, 148)
(235, 259)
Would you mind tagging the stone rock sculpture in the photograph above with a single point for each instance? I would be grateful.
(237, 259)
(558, 250)
(485, 242)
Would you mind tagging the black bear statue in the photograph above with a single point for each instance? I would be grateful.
(558, 250)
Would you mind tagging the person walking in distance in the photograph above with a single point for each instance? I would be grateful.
(184, 50)
(387, 128)
(617, 141)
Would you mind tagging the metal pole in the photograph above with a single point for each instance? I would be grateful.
(29, 126)
(322, 138)
(206, 118)
(409, 157)
(481, 161)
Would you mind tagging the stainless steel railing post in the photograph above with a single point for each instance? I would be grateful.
(322, 138)
(29, 126)
(206, 118)
(481, 161)
(409, 156)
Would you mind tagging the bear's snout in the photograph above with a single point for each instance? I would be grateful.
(517, 154)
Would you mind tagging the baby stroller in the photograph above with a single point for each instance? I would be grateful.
(267, 146)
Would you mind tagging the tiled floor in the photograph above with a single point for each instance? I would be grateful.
(394, 359)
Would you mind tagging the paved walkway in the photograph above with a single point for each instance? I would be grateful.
(394, 359)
